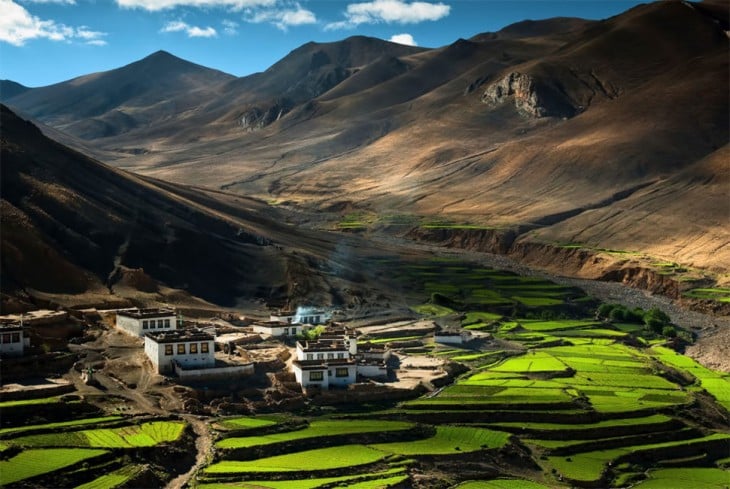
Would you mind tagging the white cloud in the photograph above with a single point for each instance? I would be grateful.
(229, 27)
(406, 39)
(283, 18)
(390, 12)
(17, 26)
(190, 30)
(97, 42)
(62, 2)
(155, 5)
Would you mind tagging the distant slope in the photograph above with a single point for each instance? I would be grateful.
(138, 95)
(9, 89)
(73, 227)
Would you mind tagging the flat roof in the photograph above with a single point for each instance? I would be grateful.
(323, 364)
(11, 327)
(180, 335)
(147, 313)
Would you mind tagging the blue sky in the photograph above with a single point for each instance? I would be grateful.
(48, 41)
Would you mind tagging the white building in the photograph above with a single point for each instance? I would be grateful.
(452, 337)
(192, 348)
(283, 317)
(139, 322)
(324, 374)
(311, 315)
(277, 328)
(12, 340)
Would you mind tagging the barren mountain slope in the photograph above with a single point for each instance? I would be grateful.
(77, 231)
(139, 95)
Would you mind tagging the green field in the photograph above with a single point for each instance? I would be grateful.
(113, 479)
(501, 484)
(31, 463)
(447, 440)
(247, 422)
(309, 460)
(310, 483)
(705, 478)
(63, 424)
(318, 429)
(143, 435)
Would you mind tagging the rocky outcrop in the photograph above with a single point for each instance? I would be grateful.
(532, 96)
(259, 117)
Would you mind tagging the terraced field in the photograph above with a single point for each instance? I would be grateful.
(552, 397)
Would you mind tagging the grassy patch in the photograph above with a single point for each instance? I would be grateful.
(447, 440)
(29, 402)
(113, 479)
(317, 429)
(247, 422)
(143, 435)
(706, 478)
(63, 424)
(310, 460)
(501, 484)
(432, 310)
(31, 463)
(721, 294)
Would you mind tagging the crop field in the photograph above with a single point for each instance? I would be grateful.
(247, 422)
(31, 463)
(318, 429)
(63, 424)
(311, 483)
(720, 294)
(143, 435)
(447, 440)
(113, 479)
(534, 361)
(706, 478)
(309, 460)
(501, 484)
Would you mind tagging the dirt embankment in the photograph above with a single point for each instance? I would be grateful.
(626, 268)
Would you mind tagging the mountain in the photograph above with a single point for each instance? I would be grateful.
(607, 134)
(75, 231)
(138, 95)
(10, 89)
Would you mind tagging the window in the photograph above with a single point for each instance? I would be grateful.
(6, 338)
(193, 348)
(310, 356)
(168, 350)
(340, 355)
(160, 322)
(316, 320)
(181, 348)
(144, 325)
(152, 324)
(204, 348)
(320, 356)
(16, 337)
(316, 376)
(342, 372)
(330, 356)
(167, 323)
(286, 331)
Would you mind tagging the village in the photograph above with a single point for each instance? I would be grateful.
(291, 357)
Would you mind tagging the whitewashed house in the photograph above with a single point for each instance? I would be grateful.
(12, 340)
(188, 348)
(277, 328)
(333, 361)
(139, 322)
(311, 315)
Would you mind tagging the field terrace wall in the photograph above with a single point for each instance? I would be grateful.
(216, 371)
(138, 322)
(192, 348)
(13, 341)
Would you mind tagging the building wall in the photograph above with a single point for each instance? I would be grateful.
(341, 375)
(203, 373)
(139, 327)
(289, 330)
(303, 354)
(11, 343)
(451, 340)
(305, 380)
(373, 371)
(161, 358)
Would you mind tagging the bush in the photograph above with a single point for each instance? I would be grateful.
(669, 331)
(656, 319)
